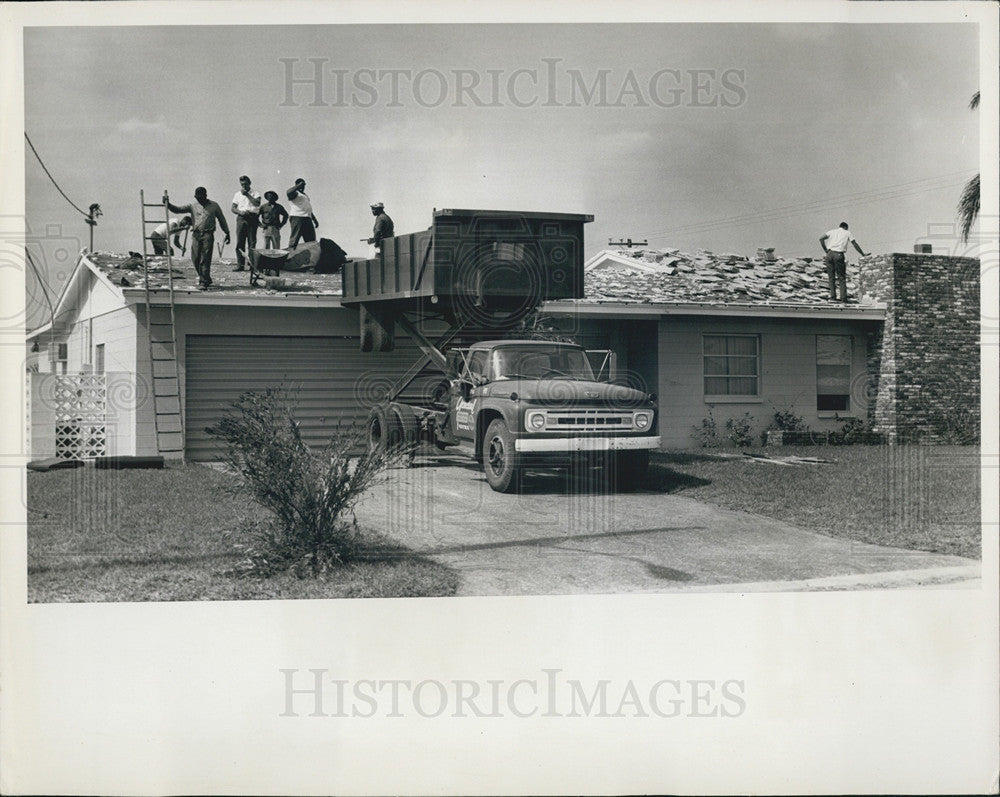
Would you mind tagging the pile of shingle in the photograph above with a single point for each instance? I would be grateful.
(116, 266)
(671, 276)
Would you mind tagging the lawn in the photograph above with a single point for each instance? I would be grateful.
(922, 498)
(166, 535)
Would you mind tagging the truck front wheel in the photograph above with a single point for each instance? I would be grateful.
(500, 463)
(630, 468)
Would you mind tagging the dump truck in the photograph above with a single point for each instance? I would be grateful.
(459, 289)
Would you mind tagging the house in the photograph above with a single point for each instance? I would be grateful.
(724, 334)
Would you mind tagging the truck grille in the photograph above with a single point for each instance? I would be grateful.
(583, 420)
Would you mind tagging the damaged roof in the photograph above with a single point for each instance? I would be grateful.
(126, 272)
(670, 276)
(645, 277)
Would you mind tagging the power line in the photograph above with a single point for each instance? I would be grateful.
(53, 179)
(41, 282)
(895, 191)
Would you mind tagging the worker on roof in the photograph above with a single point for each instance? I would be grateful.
(302, 220)
(159, 237)
(383, 228)
(204, 214)
(272, 218)
(834, 244)
(246, 206)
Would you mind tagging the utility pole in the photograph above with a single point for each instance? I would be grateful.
(628, 243)
(91, 219)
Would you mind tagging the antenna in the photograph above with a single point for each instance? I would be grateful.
(627, 243)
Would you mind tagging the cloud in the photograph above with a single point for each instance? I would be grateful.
(136, 125)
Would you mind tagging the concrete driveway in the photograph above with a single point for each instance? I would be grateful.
(567, 535)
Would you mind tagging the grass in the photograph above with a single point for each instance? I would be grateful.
(169, 535)
(923, 498)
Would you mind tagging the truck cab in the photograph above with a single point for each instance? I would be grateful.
(514, 404)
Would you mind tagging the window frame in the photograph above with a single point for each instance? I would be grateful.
(850, 411)
(737, 398)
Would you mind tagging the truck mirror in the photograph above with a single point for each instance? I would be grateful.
(465, 388)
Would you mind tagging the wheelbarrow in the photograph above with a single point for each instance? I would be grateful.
(266, 263)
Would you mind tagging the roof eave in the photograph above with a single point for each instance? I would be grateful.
(612, 309)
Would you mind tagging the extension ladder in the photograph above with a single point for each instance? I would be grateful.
(161, 337)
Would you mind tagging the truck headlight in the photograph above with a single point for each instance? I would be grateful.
(642, 420)
(535, 421)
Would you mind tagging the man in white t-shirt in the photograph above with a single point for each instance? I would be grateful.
(302, 221)
(834, 244)
(246, 206)
(159, 237)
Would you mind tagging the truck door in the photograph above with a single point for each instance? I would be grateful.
(463, 408)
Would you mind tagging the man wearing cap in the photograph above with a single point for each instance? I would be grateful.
(204, 214)
(383, 226)
(246, 206)
(834, 244)
(302, 220)
(272, 218)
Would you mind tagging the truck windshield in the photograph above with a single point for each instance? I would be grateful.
(536, 362)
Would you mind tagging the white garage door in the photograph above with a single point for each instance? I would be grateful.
(336, 383)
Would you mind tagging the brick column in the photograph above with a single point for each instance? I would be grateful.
(928, 366)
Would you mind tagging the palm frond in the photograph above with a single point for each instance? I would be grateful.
(968, 206)
(974, 102)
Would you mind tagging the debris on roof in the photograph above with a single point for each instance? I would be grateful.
(671, 276)
(115, 265)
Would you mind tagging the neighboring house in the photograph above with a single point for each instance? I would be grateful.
(720, 333)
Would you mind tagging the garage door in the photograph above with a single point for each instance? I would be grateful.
(336, 383)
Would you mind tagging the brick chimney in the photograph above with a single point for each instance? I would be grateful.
(924, 362)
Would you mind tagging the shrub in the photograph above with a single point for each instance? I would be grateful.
(788, 421)
(740, 430)
(309, 495)
(708, 433)
(855, 431)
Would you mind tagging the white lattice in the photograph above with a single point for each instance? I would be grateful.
(81, 416)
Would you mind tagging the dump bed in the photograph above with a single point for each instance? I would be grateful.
(473, 255)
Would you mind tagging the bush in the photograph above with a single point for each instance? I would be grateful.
(855, 431)
(708, 433)
(788, 421)
(740, 430)
(309, 495)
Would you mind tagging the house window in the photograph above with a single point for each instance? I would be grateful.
(99, 359)
(62, 351)
(833, 373)
(732, 365)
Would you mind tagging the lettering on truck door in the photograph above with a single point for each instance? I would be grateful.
(473, 375)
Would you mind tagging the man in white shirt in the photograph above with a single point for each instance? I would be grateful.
(246, 206)
(302, 222)
(160, 235)
(834, 244)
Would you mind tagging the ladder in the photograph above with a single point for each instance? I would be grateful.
(161, 337)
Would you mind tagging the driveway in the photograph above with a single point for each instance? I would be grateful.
(561, 537)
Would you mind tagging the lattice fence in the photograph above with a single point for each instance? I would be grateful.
(81, 416)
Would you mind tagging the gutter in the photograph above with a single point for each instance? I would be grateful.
(851, 312)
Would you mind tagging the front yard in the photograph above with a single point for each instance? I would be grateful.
(923, 498)
(165, 535)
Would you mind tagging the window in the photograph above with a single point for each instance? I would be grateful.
(62, 351)
(732, 365)
(99, 359)
(833, 373)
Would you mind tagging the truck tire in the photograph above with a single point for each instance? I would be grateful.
(403, 431)
(500, 461)
(629, 469)
(380, 429)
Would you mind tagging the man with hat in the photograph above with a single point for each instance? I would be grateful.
(246, 206)
(272, 218)
(383, 226)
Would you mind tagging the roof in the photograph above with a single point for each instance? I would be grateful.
(121, 271)
(673, 277)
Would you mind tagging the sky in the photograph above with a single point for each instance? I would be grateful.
(726, 137)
